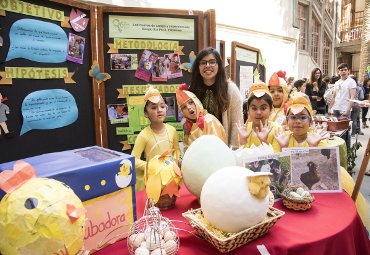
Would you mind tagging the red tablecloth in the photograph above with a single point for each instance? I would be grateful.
(331, 227)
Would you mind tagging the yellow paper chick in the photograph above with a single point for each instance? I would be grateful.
(42, 216)
(259, 186)
(162, 172)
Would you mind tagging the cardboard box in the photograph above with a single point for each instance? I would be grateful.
(103, 179)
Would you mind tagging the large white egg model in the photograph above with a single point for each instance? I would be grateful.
(235, 198)
(205, 155)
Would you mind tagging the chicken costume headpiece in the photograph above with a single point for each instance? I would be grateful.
(183, 96)
(259, 89)
(153, 95)
(298, 102)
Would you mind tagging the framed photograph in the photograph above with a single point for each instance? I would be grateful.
(317, 169)
(117, 113)
(280, 167)
(159, 72)
(172, 63)
(171, 111)
(123, 62)
(76, 47)
(146, 65)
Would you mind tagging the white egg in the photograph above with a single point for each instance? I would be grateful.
(136, 239)
(171, 247)
(142, 251)
(295, 194)
(299, 191)
(196, 167)
(158, 252)
(305, 193)
(154, 241)
(169, 235)
(227, 203)
(163, 226)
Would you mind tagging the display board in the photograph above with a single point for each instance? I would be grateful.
(246, 65)
(142, 47)
(47, 95)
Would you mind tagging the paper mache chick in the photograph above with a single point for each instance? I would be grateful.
(39, 215)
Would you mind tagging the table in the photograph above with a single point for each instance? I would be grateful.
(331, 227)
(337, 141)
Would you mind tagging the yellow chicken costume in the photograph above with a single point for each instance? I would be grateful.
(277, 114)
(259, 89)
(148, 138)
(205, 124)
(296, 104)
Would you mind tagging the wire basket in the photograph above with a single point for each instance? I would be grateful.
(302, 203)
(153, 234)
(226, 242)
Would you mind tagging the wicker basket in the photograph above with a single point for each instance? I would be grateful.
(227, 242)
(296, 204)
(339, 125)
(166, 202)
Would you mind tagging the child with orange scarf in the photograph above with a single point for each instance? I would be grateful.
(198, 120)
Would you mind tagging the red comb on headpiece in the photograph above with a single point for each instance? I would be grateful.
(11, 180)
(184, 86)
(281, 74)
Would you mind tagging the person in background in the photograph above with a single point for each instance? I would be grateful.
(328, 96)
(156, 138)
(356, 109)
(300, 86)
(258, 129)
(315, 90)
(290, 83)
(279, 91)
(344, 89)
(219, 96)
(366, 90)
(198, 121)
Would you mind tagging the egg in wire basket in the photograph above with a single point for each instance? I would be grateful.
(153, 234)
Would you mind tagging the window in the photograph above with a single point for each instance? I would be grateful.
(326, 55)
(302, 24)
(315, 39)
(329, 7)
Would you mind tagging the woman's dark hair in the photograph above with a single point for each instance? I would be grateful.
(221, 85)
(334, 79)
(298, 84)
(312, 77)
(265, 97)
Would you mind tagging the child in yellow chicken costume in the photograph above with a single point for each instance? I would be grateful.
(258, 128)
(198, 120)
(299, 118)
(279, 92)
(155, 139)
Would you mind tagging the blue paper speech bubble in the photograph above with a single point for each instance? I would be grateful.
(37, 40)
(48, 109)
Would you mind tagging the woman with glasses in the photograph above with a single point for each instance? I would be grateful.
(219, 96)
(315, 89)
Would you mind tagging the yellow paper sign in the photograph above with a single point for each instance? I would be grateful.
(31, 9)
(36, 72)
(120, 43)
(151, 27)
(140, 89)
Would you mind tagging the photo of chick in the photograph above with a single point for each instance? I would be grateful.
(317, 169)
